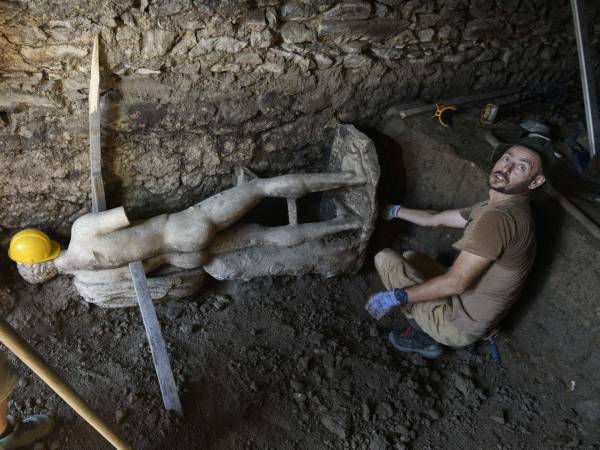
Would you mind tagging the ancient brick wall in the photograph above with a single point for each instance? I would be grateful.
(192, 89)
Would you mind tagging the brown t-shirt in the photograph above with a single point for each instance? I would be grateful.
(503, 232)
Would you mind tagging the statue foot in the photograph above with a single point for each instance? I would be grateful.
(244, 175)
(345, 216)
(353, 162)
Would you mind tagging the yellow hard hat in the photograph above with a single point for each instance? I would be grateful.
(30, 246)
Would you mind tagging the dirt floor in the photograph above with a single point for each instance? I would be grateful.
(296, 363)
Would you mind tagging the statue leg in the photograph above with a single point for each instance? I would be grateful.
(255, 235)
(227, 207)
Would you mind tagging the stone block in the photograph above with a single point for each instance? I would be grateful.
(485, 55)
(349, 10)
(11, 100)
(426, 35)
(228, 45)
(261, 40)
(375, 29)
(388, 53)
(168, 7)
(271, 67)
(273, 103)
(187, 42)
(23, 35)
(271, 16)
(236, 112)
(323, 61)
(453, 59)
(481, 29)
(157, 43)
(354, 61)
(303, 62)
(428, 20)
(204, 46)
(405, 37)
(294, 10)
(125, 36)
(225, 67)
(255, 20)
(446, 32)
(296, 32)
(248, 59)
(22, 80)
(11, 60)
(41, 54)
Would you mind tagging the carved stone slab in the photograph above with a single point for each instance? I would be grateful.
(338, 253)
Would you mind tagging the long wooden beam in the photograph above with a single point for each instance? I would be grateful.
(160, 357)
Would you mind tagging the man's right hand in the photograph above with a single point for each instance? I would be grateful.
(381, 303)
(388, 212)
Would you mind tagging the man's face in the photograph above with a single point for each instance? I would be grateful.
(517, 171)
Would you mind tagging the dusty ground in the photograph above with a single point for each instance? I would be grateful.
(284, 363)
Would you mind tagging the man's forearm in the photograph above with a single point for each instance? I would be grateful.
(434, 289)
(422, 217)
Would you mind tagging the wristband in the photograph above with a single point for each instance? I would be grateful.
(401, 296)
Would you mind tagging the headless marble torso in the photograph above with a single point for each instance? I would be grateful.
(107, 240)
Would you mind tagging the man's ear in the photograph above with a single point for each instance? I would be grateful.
(537, 182)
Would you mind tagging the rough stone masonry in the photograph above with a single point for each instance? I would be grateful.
(192, 89)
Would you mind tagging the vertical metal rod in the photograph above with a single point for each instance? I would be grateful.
(587, 78)
(292, 211)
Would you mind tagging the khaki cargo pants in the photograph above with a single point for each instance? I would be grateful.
(8, 378)
(397, 272)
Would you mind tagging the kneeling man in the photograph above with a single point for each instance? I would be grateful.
(465, 302)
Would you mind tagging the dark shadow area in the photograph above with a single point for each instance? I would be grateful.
(390, 190)
(270, 212)
(310, 207)
(549, 221)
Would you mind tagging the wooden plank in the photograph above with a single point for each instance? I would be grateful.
(98, 197)
(160, 357)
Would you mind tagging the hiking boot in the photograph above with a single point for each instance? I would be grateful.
(26, 432)
(410, 340)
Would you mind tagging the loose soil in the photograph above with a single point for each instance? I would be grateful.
(296, 363)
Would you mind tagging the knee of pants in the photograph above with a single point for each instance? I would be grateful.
(382, 257)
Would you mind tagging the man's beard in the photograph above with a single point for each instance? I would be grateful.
(520, 188)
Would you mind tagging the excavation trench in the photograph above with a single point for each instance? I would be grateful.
(284, 362)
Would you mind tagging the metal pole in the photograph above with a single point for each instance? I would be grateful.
(587, 78)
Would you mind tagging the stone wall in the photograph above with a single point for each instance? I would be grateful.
(192, 89)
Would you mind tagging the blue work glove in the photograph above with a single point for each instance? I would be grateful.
(388, 212)
(381, 303)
